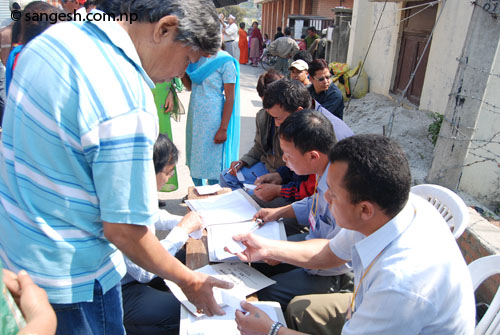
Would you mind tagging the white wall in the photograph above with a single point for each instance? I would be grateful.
(381, 63)
(446, 47)
(382, 56)
(482, 180)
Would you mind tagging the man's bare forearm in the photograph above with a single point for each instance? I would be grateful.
(143, 248)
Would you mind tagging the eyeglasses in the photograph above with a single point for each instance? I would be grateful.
(327, 78)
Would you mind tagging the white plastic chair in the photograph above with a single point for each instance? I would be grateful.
(480, 270)
(449, 205)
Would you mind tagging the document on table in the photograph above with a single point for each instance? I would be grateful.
(225, 324)
(246, 281)
(236, 206)
(220, 236)
(208, 189)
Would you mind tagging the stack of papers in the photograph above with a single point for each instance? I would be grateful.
(236, 206)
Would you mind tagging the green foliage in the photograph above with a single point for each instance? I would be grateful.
(435, 127)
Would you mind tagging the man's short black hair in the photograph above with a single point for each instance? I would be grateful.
(288, 31)
(316, 65)
(242, 25)
(304, 55)
(308, 130)
(164, 153)
(278, 29)
(312, 28)
(266, 79)
(378, 171)
(289, 94)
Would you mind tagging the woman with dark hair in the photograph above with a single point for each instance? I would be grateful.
(148, 306)
(213, 121)
(256, 44)
(27, 29)
(323, 90)
(243, 44)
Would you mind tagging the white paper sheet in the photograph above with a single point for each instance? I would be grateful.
(249, 186)
(246, 281)
(208, 189)
(226, 324)
(225, 208)
(221, 236)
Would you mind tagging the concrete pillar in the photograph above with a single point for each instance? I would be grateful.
(466, 100)
(286, 12)
(360, 25)
(279, 21)
(295, 7)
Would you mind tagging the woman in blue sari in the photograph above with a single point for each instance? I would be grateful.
(213, 121)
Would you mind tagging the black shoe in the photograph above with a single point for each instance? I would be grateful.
(162, 203)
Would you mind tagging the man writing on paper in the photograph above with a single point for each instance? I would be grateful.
(77, 178)
(306, 138)
(410, 275)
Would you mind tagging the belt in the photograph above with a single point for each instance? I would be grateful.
(229, 41)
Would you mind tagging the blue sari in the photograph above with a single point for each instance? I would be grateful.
(198, 75)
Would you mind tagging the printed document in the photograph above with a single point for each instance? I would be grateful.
(246, 280)
(236, 206)
(225, 324)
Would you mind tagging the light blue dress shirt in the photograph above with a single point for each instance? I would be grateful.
(325, 226)
(418, 285)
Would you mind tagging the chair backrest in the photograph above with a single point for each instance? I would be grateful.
(449, 205)
(480, 270)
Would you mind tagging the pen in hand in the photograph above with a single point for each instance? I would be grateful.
(258, 223)
(237, 165)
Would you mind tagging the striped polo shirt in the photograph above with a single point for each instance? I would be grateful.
(77, 146)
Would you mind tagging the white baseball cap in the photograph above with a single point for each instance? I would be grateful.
(231, 17)
(300, 65)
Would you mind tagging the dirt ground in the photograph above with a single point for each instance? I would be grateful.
(372, 113)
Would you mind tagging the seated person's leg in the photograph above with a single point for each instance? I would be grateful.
(249, 175)
(297, 282)
(212, 181)
(149, 311)
(292, 227)
(197, 181)
(321, 314)
(275, 203)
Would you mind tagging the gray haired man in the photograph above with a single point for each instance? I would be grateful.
(86, 189)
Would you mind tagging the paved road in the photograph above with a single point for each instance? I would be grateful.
(250, 105)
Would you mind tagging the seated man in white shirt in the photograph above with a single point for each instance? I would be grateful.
(410, 277)
(148, 306)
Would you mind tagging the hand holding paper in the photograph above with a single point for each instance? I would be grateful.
(199, 293)
(255, 247)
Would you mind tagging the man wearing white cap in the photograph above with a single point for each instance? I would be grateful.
(298, 71)
(230, 33)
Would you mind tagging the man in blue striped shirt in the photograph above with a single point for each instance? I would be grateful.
(77, 181)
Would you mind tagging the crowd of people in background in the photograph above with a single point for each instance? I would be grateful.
(87, 144)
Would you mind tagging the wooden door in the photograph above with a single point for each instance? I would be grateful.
(416, 32)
